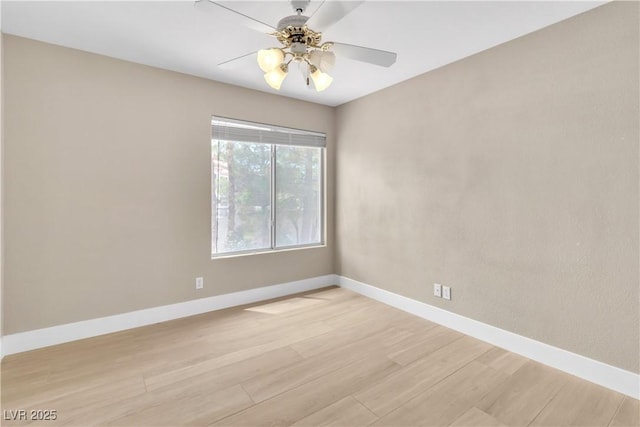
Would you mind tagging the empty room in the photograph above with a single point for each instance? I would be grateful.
(310, 213)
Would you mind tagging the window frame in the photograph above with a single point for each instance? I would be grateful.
(322, 199)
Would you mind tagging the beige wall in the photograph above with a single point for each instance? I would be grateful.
(511, 176)
(108, 186)
(1, 188)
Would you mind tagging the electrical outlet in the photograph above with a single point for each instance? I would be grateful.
(437, 290)
(199, 282)
(446, 292)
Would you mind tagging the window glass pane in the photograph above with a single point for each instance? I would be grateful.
(241, 196)
(298, 195)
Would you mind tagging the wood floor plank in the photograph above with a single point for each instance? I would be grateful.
(429, 409)
(409, 322)
(333, 293)
(579, 403)
(236, 372)
(503, 360)
(474, 417)
(472, 382)
(443, 403)
(344, 412)
(187, 409)
(347, 303)
(361, 316)
(300, 402)
(273, 383)
(292, 336)
(337, 338)
(429, 341)
(628, 414)
(520, 399)
(70, 404)
(395, 390)
(286, 306)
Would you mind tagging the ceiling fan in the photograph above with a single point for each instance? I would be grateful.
(301, 44)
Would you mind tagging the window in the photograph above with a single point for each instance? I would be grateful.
(267, 187)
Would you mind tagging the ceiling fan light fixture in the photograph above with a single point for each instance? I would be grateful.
(276, 76)
(270, 59)
(300, 44)
(320, 80)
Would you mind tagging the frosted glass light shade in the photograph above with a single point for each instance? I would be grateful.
(268, 59)
(321, 80)
(324, 60)
(275, 77)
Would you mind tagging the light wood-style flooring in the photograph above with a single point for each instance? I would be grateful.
(329, 357)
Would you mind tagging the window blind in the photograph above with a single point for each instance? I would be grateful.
(232, 130)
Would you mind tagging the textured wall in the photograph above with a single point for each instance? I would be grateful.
(511, 176)
(107, 175)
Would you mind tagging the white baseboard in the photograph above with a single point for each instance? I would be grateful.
(30, 340)
(591, 370)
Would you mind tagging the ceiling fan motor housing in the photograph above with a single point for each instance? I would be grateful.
(296, 21)
(293, 30)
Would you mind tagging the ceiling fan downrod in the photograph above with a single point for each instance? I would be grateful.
(299, 6)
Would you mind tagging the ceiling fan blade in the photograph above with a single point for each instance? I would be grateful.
(365, 54)
(330, 12)
(249, 22)
(235, 62)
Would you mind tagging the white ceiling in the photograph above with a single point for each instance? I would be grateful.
(177, 36)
